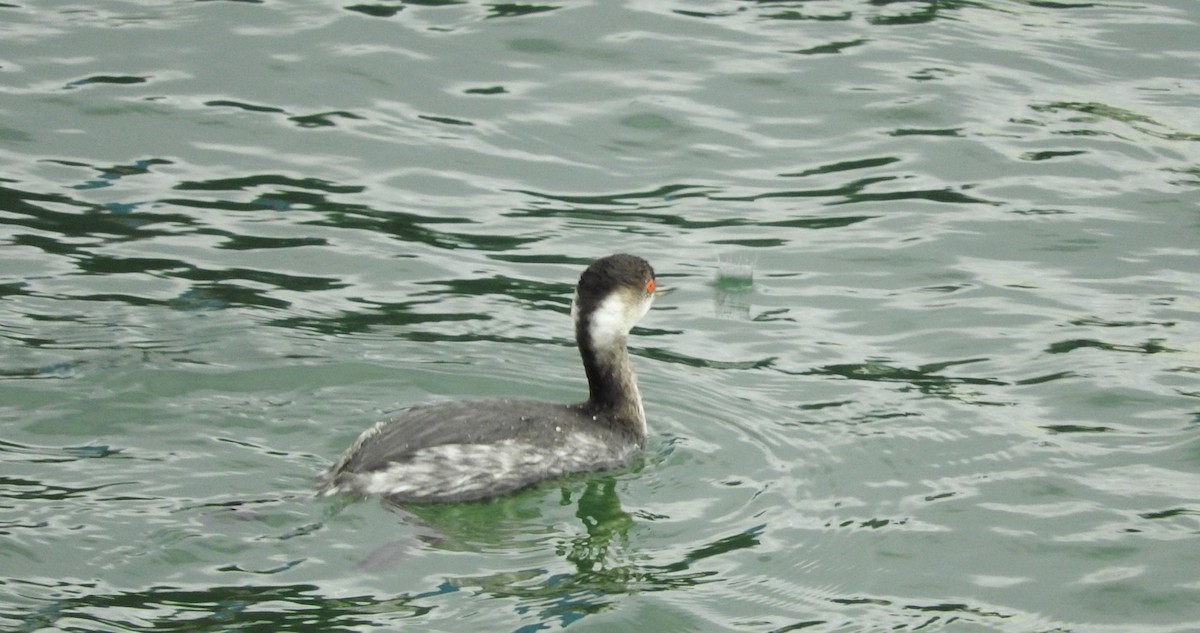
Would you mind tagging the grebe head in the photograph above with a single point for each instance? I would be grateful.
(613, 294)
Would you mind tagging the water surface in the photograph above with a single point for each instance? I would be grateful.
(931, 362)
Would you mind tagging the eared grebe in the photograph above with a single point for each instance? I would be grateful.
(466, 451)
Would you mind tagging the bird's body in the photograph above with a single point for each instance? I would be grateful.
(471, 450)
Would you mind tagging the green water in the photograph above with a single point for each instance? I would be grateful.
(930, 363)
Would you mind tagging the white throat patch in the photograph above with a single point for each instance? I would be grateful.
(614, 317)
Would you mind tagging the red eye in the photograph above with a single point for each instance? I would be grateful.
(650, 286)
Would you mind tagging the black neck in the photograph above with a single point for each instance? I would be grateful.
(612, 387)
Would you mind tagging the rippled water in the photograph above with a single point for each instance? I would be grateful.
(931, 363)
